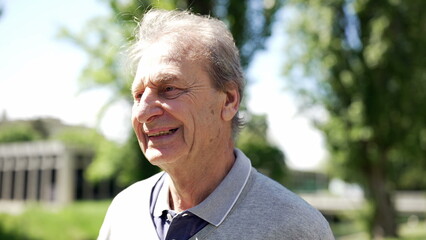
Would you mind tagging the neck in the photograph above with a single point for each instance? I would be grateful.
(191, 185)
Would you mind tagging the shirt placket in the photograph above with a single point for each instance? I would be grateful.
(184, 225)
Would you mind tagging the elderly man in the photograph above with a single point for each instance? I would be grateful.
(187, 90)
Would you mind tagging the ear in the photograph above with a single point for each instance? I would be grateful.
(231, 105)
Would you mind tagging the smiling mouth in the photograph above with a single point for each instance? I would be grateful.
(163, 133)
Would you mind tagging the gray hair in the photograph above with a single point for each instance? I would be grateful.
(199, 38)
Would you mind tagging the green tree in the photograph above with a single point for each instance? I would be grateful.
(104, 37)
(265, 157)
(27, 130)
(363, 61)
(100, 148)
(18, 133)
(45, 129)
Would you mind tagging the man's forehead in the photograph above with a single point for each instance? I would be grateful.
(158, 54)
(163, 49)
(143, 79)
(161, 62)
(160, 77)
(152, 63)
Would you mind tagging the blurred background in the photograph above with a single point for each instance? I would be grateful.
(334, 107)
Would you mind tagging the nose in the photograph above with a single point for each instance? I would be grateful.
(148, 108)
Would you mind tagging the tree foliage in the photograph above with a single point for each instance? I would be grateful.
(47, 129)
(105, 39)
(18, 133)
(363, 61)
(96, 144)
(28, 130)
(265, 157)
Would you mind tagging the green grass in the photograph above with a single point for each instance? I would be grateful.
(82, 220)
(413, 231)
(352, 231)
(346, 228)
(78, 221)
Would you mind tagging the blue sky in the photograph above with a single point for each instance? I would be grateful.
(39, 78)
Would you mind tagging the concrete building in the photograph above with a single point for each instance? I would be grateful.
(48, 172)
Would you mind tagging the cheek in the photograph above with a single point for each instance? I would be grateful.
(213, 111)
(134, 122)
(195, 116)
(206, 121)
(133, 115)
(137, 128)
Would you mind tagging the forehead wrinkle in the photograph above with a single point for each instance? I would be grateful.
(164, 78)
(160, 78)
(170, 62)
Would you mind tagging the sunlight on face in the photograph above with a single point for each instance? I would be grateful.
(176, 113)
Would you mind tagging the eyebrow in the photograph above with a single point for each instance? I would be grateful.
(165, 78)
(159, 79)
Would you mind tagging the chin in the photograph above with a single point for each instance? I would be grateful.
(158, 158)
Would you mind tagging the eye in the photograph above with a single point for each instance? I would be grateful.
(137, 96)
(169, 89)
(171, 92)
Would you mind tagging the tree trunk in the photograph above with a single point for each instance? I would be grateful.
(384, 214)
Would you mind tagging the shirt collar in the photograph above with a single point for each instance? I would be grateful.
(219, 203)
(162, 202)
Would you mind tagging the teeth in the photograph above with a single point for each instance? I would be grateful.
(162, 133)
